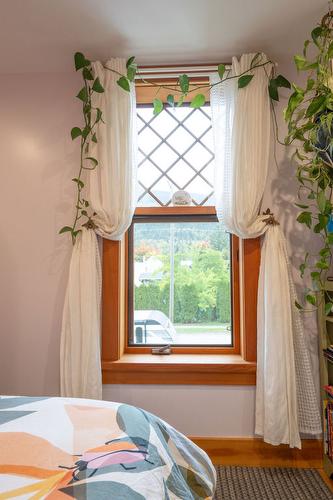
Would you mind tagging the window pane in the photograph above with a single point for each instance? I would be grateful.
(181, 140)
(198, 156)
(178, 144)
(198, 123)
(181, 284)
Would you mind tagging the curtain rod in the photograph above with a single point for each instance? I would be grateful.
(172, 71)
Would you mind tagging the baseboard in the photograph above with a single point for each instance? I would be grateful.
(253, 452)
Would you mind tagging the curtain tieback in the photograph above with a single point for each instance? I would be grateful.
(270, 220)
(90, 224)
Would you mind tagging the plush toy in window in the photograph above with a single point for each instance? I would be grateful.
(181, 197)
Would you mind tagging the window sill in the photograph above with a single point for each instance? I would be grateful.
(186, 369)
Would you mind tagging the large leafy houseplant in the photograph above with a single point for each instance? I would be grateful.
(309, 116)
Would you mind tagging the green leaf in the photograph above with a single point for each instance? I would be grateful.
(297, 89)
(328, 308)
(158, 106)
(171, 100)
(78, 182)
(321, 201)
(244, 80)
(75, 132)
(256, 59)
(94, 138)
(314, 65)
(180, 101)
(302, 269)
(97, 86)
(75, 233)
(300, 62)
(83, 94)
(130, 61)
(315, 275)
(65, 229)
(330, 51)
(323, 220)
(98, 115)
(316, 105)
(309, 85)
(184, 83)
(329, 121)
(316, 33)
(85, 131)
(124, 83)
(329, 239)
(87, 108)
(87, 74)
(273, 89)
(305, 218)
(198, 101)
(325, 252)
(306, 44)
(328, 208)
(93, 160)
(80, 61)
(299, 205)
(317, 228)
(221, 70)
(131, 72)
(311, 299)
(281, 81)
(322, 264)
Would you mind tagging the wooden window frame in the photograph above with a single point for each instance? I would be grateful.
(193, 211)
(125, 364)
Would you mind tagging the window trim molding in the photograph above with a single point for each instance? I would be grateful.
(209, 367)
(179, 369)
(123, 365)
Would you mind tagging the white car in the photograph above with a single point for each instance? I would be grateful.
(153, 327)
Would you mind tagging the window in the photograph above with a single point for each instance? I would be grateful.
(175, 153)
(180, 281)
(175, 279)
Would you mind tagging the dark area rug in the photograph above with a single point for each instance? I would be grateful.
(270, 483)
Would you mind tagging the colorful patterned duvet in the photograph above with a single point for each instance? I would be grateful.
(61, 448)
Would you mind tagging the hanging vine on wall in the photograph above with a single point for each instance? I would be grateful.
(91, 115)
(84, 216)
(309, 115)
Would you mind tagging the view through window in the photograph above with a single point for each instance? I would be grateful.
(180, 286)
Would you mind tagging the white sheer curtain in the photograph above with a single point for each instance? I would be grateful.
(112, 195)
(286, 402)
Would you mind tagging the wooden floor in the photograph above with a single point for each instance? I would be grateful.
(249, 452)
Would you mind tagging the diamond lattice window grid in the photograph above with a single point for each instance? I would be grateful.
(175, 152)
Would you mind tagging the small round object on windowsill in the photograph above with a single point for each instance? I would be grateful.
(181, 198)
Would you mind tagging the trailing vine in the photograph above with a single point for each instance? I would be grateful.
(309, 116)
(91, 115)
(84, 217)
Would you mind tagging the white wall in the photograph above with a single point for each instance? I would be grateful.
(38, 159)
(194, 410)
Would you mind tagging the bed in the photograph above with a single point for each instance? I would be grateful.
(61, 448)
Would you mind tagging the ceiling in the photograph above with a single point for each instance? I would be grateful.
(42, 35)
